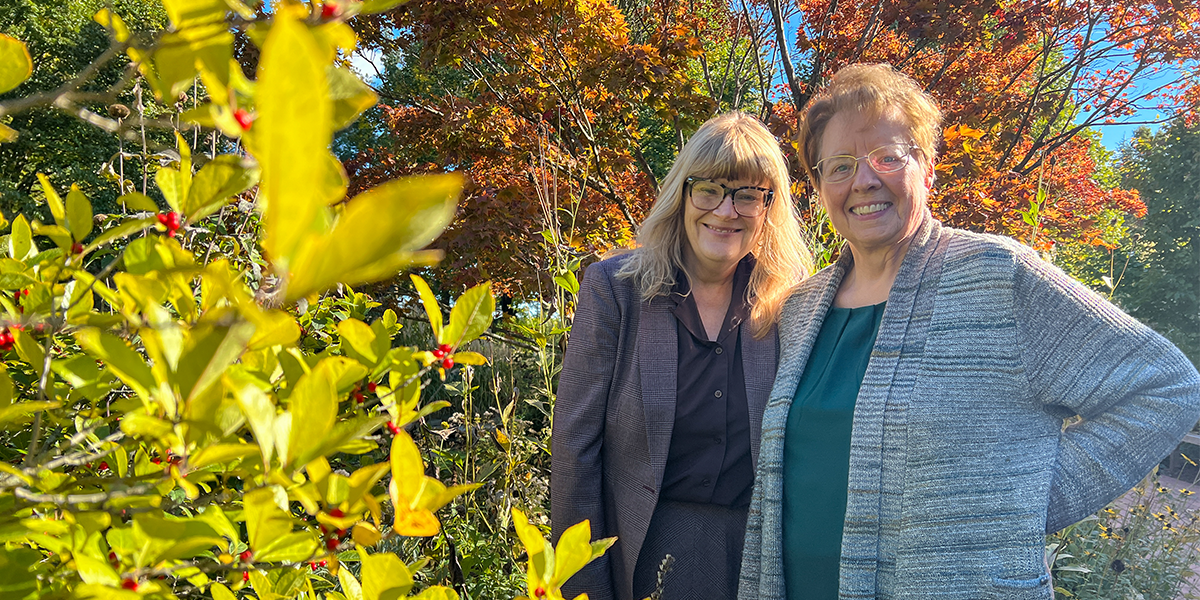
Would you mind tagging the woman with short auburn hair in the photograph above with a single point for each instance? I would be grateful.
(914, 445)
(671, 356)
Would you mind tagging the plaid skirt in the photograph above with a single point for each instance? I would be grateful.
(705, 543)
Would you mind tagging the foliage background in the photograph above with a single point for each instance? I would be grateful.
(562, 117)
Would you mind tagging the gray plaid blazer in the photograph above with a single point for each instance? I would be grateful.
(613, 419)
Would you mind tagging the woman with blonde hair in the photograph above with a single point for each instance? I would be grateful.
(916, 444)
(662, 388)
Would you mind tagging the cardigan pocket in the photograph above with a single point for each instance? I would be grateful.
(1038, 588)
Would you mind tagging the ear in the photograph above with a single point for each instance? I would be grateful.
(930, 175)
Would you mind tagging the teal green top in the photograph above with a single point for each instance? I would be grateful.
(816, 453)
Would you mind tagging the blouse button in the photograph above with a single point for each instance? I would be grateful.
(719, 350)
(717, 393)
(706, 482)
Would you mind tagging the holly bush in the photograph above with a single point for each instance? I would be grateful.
(170, 429)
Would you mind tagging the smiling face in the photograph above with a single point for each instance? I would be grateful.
(717, 239)
(873, 212)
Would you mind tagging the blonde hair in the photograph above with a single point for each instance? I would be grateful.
(871, 90)
(729, 146)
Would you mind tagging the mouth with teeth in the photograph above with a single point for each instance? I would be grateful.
(724, 230)
(868, 209)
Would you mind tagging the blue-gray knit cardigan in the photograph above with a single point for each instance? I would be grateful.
(959, 462)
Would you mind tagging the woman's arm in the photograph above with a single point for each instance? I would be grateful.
(578, 433)
(1136, 392)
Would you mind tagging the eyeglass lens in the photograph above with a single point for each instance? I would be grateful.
(708, 195)
(885, 159)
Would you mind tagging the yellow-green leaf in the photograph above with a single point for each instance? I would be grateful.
(471, 315)
(125, 229)
(314, 409)
(138, 201)
(8, 134)
(59, 234)
(265, 520)
(389, 220)
(110, 21)
(54, 200)
(180, 54)
(79, 214)
(292, 137)
(259, 411)
(350, 96)
(219, 454)
(15, 64)
(20, 242)
(207, 352)
(122, 360)
(376, 6)
(360, 338)
(438, 592)
(432, 309)
(187, 13)
(469, 358)
(385, 577)
(219, 179)
(170, 183)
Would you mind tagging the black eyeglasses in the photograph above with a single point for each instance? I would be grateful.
(884, 159)
(748, 201)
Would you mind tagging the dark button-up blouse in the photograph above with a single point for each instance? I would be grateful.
(709, 457)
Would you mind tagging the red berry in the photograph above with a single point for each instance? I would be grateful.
(313, 565)
(246, 555)
(25, 292)
(358, 397)
(540, 592)
(371, 387)
(393, 428)
(156, 460)
(447, 363)
(245, 576)
(129, 584)
(336, 513)
(329, 10)
(331, 543)
(162, 218)
(103, 466)
(112, 556)
(243, 118)
(173, 220)
(77, 248)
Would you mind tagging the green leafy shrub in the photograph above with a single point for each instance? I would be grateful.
(194, 401)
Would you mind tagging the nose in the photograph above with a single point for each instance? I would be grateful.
(865, 178)
(725, 210)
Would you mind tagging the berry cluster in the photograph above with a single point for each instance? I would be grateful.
(333, 538)
(170, 220)
(357, 395)
(17, 298)
(6, 340)
(317, 563)
(444, 352)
